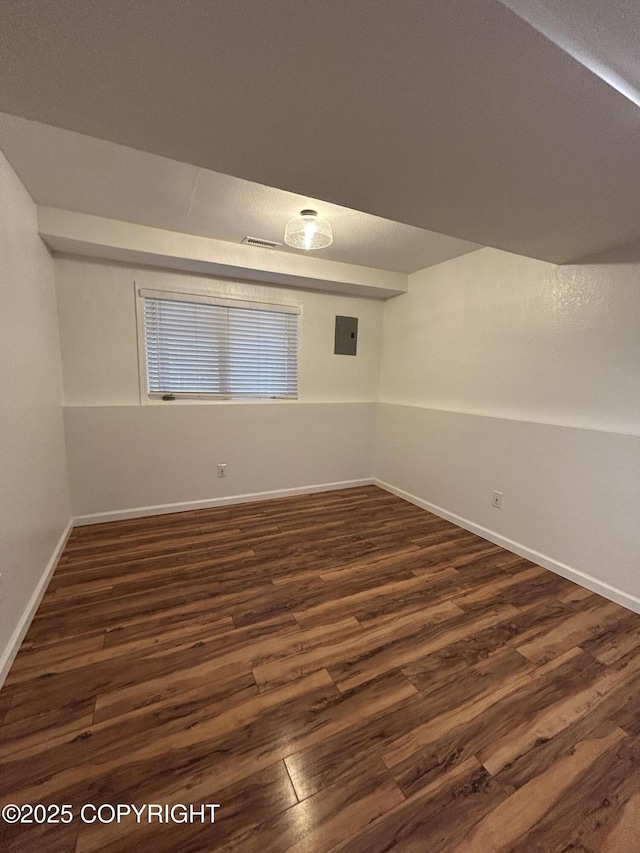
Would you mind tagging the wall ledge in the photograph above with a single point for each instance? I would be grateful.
(72, 233)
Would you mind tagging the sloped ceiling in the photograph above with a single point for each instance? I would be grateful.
(70, 171)
(603, 36)
(449, 115)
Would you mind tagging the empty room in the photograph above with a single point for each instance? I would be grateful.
(320, 426)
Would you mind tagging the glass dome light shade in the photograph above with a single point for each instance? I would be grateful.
(307, 231)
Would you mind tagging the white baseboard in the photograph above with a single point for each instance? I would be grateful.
(185, 506)
(604, 589)
(9, 653)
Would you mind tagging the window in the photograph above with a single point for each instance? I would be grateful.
(199, 346)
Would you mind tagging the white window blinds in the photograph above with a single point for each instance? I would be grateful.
(200, 346)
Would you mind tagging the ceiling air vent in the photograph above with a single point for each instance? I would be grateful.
(263, 244)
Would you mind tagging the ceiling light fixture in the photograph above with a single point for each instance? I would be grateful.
(307, 231)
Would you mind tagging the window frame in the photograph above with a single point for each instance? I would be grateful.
(155, 397)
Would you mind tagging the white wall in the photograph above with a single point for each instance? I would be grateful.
(500, 372)
(133, 457)
(34, 497)
(99, 346)
(498, 334)
(123, 455)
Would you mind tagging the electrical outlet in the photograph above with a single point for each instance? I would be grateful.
(496, 500)
(222, 469)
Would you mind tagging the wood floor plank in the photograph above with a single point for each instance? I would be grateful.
(19, 838)
(457, 657)
(591, 808)
(340, 756)
(616, 640)
(370, 596)
(244, 806)
(424, 747)
(341, 671)
(428, 635)
(222, 657)
(363, 645)
(20, 732)
(321, 821)
(433, 819)
(91, 765)
(37, 660)
(578, 629)
(547, 722)
(190, 618)
(513, 819)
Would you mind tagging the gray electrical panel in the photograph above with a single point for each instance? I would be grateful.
(346, 336)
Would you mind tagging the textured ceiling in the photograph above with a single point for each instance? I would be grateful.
(603, 36)
(67, 170)
(449, 115)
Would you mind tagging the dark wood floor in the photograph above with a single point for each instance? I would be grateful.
(341, 671)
